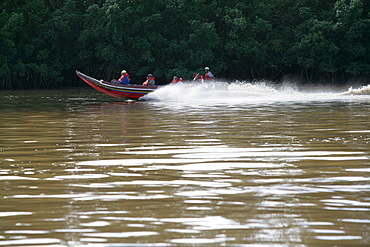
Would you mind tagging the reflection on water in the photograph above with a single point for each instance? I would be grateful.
(241, 165)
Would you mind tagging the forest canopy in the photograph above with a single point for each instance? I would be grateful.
(44, 41)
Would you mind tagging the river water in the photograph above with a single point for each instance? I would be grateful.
(236, 165)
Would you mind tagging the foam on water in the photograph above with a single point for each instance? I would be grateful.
(243, 92)
(365, 90)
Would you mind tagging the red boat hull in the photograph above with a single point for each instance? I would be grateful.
(117, 90)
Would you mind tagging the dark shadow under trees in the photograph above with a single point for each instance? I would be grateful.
(43, 41)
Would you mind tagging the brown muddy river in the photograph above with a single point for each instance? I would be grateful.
(248, 165)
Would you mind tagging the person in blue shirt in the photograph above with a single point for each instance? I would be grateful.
(125, 78)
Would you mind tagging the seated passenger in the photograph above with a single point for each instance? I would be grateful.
(150, 80)
(198, 78)
(176, 80)
(208, 75)
(124, 79)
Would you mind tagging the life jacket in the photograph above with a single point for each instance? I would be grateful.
(122, 78)
(146, 83)
(208, 76)
(198, 78)
(179, 80)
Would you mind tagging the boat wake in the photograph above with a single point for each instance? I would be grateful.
(246, 92)
(365, 90)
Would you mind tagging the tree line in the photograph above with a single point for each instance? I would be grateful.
(43, 42)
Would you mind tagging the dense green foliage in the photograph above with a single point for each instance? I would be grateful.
(43, 41)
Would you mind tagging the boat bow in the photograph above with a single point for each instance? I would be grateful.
(117, 90)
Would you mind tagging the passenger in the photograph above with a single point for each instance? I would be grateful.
(125, 78)
(208, 75)
(198, 77)
(150, 80)
(176, 80)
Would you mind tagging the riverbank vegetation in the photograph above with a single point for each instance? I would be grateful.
(43, 41)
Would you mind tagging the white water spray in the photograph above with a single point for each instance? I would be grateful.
(243, 92)
(365, 90)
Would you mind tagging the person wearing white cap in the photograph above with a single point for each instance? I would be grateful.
(125, 78)
(208, 75)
